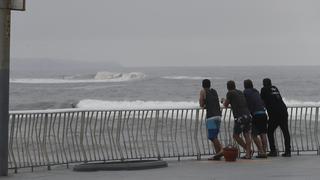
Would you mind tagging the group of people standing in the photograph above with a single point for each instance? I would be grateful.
(256, 116)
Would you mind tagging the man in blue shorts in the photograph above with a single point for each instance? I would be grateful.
(210, 101)
(259, 117)
(242, 117)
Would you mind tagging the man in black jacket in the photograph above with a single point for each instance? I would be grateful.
(278, 116)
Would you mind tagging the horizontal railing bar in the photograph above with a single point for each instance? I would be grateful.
(129, 109)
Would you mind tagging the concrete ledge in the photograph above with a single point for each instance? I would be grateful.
(118, 166)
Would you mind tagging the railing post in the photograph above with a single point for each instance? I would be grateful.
(316, 129)
(290, 128)
(118, 135)
(156, 134)
(11, 143)
(196, 135)
(44, 142)
(82, 124)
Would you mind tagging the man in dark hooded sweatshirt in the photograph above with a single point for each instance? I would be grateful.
(278, 116)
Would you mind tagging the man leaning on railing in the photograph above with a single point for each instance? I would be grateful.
(278, 116)
(210, 101)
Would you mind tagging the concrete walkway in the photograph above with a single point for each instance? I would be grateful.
(305, 167)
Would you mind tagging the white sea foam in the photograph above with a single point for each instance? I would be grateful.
(292, 102)
(92, 88)
(119, 76)
(98, 78)
(120, 105)
(190, 77)
(90, 104)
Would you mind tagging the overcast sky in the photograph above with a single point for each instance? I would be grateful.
(170, 32)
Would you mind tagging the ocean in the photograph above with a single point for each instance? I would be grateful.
(150, 87)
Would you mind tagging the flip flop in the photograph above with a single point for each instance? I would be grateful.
(245, 157)
(215, 157)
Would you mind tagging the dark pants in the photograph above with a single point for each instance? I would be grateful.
(273, 123)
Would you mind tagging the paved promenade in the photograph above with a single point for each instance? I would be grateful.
(305, 167)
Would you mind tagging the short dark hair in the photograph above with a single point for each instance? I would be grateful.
(267, 82)
(206, 83)
(231, 85)
(247, 84)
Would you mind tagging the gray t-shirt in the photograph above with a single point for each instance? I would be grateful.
(238, 103)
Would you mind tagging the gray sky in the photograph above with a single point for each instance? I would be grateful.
(170, 32)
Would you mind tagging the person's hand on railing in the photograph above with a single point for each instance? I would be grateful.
(225, 102)
(222, 100)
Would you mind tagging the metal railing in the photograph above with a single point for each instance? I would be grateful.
(52, 137)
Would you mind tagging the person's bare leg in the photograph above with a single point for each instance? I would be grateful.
(217, 146)
(247, 138)
(239, 140)
(264, 142)
(258, 143)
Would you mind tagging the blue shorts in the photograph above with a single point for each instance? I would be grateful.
(213, 126)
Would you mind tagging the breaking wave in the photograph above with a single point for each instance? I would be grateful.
(190, 77)
(119, 105)
(122, 105)
(97, 78)
(291, 102)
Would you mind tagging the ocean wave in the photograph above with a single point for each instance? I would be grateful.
(120, 105)
(119, 76)
(97, 78)
(92, 88)
(79, 77)
(190, 77)
(292, 102)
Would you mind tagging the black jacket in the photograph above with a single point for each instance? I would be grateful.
(273, 101)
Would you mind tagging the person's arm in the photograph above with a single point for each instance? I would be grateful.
(202, 98)
(279, 94)
(263, 94)
(245, 95)
(226, 102)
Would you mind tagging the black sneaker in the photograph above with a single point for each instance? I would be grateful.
(286, 154)
(273, 154)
